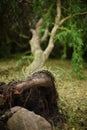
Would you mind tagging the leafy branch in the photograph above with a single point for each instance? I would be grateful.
(71, 16)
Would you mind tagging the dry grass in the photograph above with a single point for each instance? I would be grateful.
(72, 92)
(73, 95)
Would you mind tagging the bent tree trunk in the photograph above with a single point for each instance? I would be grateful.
(41, 56)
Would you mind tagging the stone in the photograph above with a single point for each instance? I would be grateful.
(23, 119)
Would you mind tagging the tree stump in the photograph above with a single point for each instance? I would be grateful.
(37, 93)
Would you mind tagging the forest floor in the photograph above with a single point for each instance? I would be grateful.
(72, 92)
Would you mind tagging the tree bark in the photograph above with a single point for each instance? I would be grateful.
(41, 56)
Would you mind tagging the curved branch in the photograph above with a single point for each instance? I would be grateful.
(24, 36)
(57, 19)
(71, 16)
(38, 26)
(38, 79)
(45, 35)
(39, 23)
(54, 30)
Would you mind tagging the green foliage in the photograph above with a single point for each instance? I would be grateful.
(24, 60)
(73, 118)
(17, 17)
(72, 38)
(45, 9)
(77, 59)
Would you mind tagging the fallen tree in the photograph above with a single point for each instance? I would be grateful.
(37, 93)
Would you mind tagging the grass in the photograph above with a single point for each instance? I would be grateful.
(72, 92)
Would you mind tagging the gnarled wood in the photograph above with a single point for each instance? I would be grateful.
(41, 56)
(37, 93)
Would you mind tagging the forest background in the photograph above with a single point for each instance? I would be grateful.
(70, 41)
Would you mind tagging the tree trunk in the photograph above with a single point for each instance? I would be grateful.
(36, 93)
(41, 56)
(37, 64)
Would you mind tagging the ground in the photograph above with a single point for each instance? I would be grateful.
(72, 92)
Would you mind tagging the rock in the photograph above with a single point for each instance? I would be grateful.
(23, 119)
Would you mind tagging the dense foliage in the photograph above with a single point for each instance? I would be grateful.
(18, 16)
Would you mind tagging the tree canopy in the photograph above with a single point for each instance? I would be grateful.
(18, 16)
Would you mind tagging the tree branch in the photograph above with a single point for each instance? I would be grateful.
(45, 35)
(24, 36)
(39, 23)
(33, 31)
(71, 16)
(33, 82)
(54, 30)
(35, 40)
(57, 19)
(38, 26)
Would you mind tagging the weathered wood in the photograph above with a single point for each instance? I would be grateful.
(40, 56)
(37, 93)
(38, 79)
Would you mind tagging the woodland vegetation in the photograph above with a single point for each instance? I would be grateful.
(25, 24)
(50, 34)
